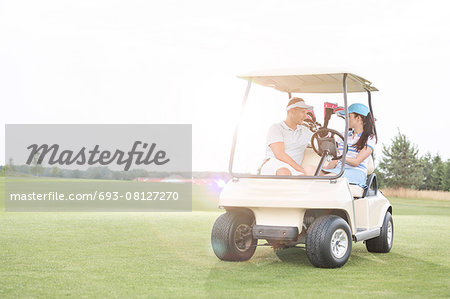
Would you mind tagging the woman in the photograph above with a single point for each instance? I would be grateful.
(361, 143)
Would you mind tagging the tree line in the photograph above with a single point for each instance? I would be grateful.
(402, 167)
(99, 172)
(102, 172)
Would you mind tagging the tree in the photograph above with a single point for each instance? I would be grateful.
(400, 164)
(37, 168)
(11, 166)
(437, 174)
(380, 178)
(427, 166)
(446, 179)
(55, 172)
(75, 174)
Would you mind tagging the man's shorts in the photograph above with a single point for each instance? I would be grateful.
(271, 166)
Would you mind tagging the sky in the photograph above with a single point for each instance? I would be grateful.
(165, 62)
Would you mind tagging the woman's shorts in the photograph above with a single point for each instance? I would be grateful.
(354, 176)
(271, 166)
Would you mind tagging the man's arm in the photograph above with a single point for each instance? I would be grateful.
(280, 154)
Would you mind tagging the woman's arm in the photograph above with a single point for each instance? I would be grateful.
(280, 154)
(363, 154)
(331, 165)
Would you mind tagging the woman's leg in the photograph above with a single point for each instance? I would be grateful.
(326, 173)
(310, 170)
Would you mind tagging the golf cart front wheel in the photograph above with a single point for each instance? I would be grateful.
(232, 236)
(328, 242)
(383, 243)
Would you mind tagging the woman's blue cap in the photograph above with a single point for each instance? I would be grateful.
(356, 108)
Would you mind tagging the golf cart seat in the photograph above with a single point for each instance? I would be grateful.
(356, 190)
(310, 158)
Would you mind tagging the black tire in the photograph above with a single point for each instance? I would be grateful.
(232, 238)
(319, 249)
(383, 243)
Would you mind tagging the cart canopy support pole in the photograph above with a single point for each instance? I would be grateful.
(369, 100)
(233, 146)
(344, 154)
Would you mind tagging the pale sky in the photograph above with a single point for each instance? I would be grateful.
(131, 61)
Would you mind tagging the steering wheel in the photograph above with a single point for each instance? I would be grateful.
(326, 142)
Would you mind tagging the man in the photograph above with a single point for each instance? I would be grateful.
(287, 141)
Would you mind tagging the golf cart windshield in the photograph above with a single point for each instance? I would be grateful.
(306, 81)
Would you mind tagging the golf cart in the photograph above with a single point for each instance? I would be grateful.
(325, 213)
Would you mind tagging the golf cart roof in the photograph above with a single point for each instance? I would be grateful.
(309, 81)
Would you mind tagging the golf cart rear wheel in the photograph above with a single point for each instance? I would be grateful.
(383, 243)
(328, 242)
(232, 237)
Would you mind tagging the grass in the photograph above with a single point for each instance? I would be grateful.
(142, 255)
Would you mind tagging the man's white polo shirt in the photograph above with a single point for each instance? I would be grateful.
(295, 141)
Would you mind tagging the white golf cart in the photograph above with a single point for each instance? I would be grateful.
(325, 213)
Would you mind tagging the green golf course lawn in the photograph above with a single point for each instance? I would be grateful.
(129, 255)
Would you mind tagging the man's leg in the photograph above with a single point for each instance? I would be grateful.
(283, 171)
